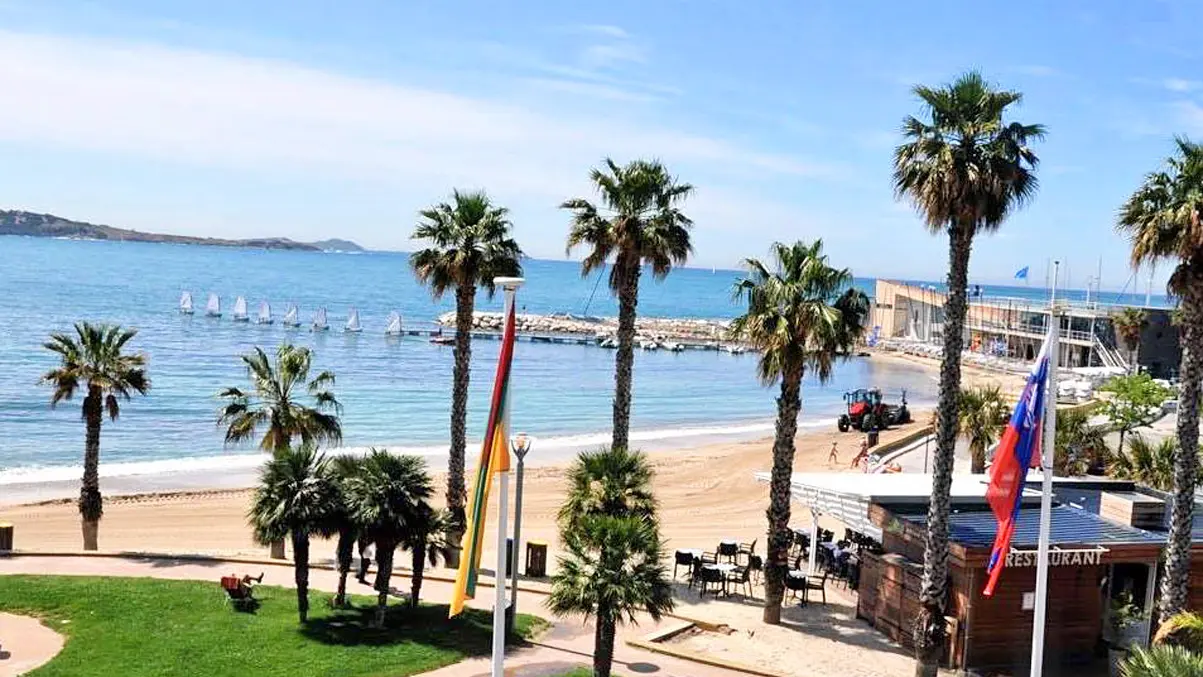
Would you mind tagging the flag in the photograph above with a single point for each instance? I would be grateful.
(1022, 273)
(1018, 450)
(494, 458)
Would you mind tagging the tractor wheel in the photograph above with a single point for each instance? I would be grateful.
(866, 423)
(844, 424)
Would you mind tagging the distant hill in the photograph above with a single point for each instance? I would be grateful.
(336, 245)
(16, 222)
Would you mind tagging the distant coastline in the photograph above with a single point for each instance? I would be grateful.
(30, 224)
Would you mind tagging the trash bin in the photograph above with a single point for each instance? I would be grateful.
(873, 438)
(6, 536)
(536, 559)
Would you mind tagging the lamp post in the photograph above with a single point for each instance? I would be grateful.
(520, 444)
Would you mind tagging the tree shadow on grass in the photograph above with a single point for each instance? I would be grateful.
(470, 633)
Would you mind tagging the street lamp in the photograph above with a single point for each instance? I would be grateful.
(520, 444)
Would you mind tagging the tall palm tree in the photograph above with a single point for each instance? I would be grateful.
(1128, 323)
(1148, 463)
(426, 540)
(611, 481)
(981, 416)
(296, 496)
(343, 468)
(802, 315)
(965, 169)
(94, 358)
(638, 223)
(274, 405)
(387, 497)
(1164, 220)
(469, 244)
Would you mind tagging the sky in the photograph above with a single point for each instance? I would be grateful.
(311, 119)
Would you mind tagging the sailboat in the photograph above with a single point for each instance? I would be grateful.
(394, 324)
(291, 318)
(186, 303)
(353, 322)
(265, 313)
(319, 320)
(240, 310)
(213, 307)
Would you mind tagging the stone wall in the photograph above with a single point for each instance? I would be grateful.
(650, 327)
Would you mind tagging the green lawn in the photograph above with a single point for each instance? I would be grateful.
(141, 627)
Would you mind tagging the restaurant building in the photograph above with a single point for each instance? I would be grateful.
(1106, 539)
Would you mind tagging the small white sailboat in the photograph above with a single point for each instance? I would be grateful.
(319, 320)
(213, 307)
(186, 303)
(240, 310)
(292, 317)
(353, 322)
(265, 313)
(394, 324)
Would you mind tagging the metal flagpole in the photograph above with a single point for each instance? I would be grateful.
(510, 284)
(1048, 447)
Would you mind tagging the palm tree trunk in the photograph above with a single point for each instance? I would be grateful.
(977, 462)
(777, 556)
(300, 564)
(419, 565)
(346, 556)
(1175, 586)
(603, 646)
(91, 505)
(624, 361)
(465, 305)
(929, 625)
(384, 574)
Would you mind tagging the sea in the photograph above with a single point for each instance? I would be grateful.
(395, 392)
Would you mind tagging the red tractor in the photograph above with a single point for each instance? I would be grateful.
(867, 411)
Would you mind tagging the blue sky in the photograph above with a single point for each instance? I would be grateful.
(311, 119)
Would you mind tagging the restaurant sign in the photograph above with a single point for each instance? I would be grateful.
(1057, 557)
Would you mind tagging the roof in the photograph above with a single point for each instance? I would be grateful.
(899, 488)
(1069, 526)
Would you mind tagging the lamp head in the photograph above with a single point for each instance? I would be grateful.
(521, 444)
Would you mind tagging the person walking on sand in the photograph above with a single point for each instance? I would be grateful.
(833, 456)
(863, 455)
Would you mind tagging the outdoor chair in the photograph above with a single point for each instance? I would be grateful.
(802, 542)
(852, 580)
(683, 559)
(820, 586)
(240, 591)
(756, 566)
(712, 576)
(795, 584)
(695, 575)
(747, 549)
(741, 576)
(728, 550)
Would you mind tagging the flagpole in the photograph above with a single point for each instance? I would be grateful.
(1048, 448)
(510, 285)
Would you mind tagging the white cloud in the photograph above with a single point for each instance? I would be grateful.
(277, 118)
(604, 30)
(612, 55)
(1181, 85)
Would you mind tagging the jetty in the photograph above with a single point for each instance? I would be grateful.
(651, 333)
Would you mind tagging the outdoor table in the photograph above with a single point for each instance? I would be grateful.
(724, 568)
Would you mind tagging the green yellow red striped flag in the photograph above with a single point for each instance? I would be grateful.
(494, 458)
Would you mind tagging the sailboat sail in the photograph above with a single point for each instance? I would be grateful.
(291, 317)
(394, 324)
(186, 303)
(353, 322)
(213, 307)
(265, 313)
(319, 320)
(240, 310)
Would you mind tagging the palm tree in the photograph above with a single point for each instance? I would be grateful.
(612, 569)
(801, 316)
(387, 497)
(1081, 447)
(273, 405)
(981, 416)
(296, 496)
(94, 359)
(1147, 463)
(1128, 323)
(343, 468)
(1162, 661)
(639, 223)
(426, 540)
(611, 481)
(965, 170)
(1162, 220)
(469, 245)
(1184, 629)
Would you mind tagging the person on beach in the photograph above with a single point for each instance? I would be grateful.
(862, 456)
(833, 456)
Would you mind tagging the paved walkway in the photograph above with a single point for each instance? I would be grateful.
(25, 644)
(569, 642)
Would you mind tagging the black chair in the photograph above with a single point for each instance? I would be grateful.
(802, 541)
(741, 576)
(821, 586)
(695, 575)
(795, 584)
(756, 566)
(683, 559)
(747, 549)
(728, 550)
(711, 575)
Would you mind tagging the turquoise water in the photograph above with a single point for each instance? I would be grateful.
(395, 392)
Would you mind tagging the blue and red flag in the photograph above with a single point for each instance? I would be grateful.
(1018, 451)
